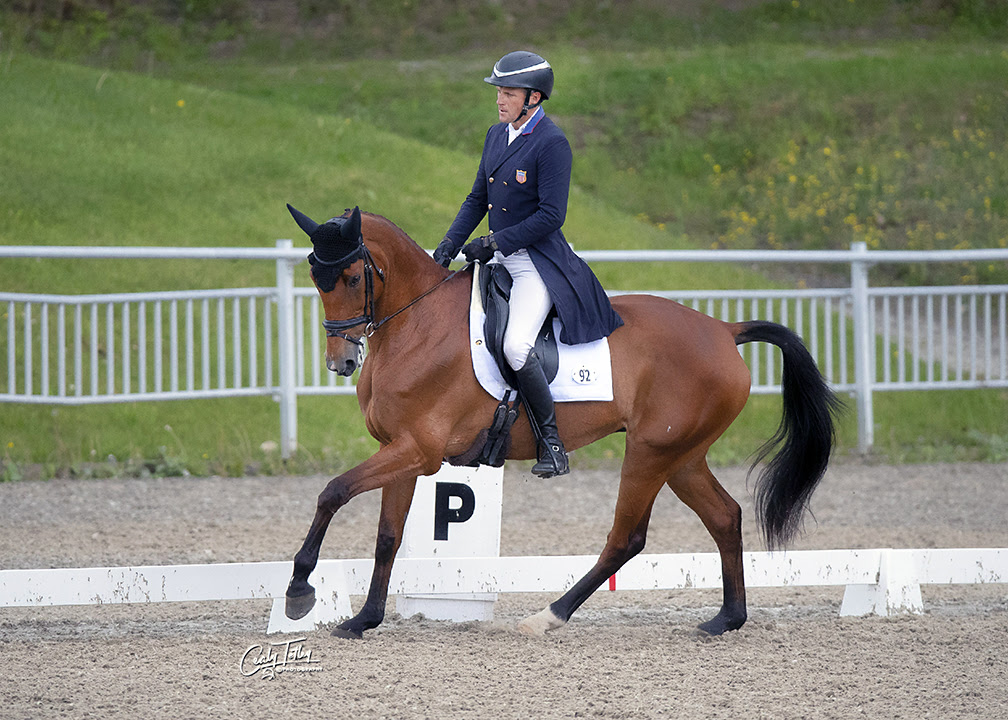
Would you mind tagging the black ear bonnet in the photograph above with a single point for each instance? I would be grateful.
(337, 244)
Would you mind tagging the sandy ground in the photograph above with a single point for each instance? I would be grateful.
(625, 654)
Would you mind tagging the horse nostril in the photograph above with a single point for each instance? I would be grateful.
(344, 367)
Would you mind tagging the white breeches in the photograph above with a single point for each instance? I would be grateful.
(529, 305)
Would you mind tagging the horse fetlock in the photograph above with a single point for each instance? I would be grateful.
(366, 619)
(305, 561)
(540, 623)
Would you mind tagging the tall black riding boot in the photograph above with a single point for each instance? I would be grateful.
(535, 392)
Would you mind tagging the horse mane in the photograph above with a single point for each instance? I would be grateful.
(398, 231)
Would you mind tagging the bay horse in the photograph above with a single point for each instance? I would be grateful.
(678, 383)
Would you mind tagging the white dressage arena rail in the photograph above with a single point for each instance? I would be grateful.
(449, 568)
(877, 581)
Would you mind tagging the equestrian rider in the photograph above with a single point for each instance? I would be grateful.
(523, 182)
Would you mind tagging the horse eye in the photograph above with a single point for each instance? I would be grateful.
(354, 281)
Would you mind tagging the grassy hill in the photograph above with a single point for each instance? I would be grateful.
(899, 144)
(758, 124)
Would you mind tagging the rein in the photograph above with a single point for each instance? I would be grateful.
(335, 328)
(373, 326)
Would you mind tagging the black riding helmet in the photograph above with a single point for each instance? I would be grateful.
(523, 69)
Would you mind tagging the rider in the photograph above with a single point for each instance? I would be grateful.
(523, 182)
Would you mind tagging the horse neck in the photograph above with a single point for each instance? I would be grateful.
(409, 270)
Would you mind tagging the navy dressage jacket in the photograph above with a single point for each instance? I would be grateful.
(524, 187)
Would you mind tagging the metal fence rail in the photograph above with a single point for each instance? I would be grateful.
(141, 346)
(925, 337)
(267, 341)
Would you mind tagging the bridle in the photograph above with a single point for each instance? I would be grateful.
(335, 328)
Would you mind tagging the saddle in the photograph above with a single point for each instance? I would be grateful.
(495, 292)
(493, 443)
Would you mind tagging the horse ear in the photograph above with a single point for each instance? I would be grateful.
(352, 227)
(303, 221)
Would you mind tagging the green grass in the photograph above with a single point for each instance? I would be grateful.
(106, 158)
(899, 144)
(231, 437)
(685, 145)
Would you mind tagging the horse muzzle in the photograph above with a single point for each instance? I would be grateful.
(345, 363)
(345, 367)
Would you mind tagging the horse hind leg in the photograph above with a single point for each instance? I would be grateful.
(697, 487)
(641, 479)
(613, 557)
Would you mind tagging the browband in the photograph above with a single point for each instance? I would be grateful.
(344, 262)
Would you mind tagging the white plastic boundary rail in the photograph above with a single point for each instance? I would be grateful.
(876, 581)
(78, 349)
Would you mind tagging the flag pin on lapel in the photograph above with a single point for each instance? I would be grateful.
(521, 176)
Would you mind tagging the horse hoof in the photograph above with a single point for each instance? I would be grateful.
(540, 623)
(347, 633)
(297, 606)
(719, 625)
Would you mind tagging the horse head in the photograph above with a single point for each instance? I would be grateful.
(343, 273)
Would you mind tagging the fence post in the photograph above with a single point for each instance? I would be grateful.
(287, 394)
(863, 367)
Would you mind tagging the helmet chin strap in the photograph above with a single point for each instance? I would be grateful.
(526, 107)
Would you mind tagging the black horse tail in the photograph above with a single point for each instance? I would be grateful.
(806, 435)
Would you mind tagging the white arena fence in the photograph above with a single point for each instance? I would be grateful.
(449, 568)
(876, 581)
(128, 347)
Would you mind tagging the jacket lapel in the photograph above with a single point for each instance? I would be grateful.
(509, 150)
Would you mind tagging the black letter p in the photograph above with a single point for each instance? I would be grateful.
(444, 514)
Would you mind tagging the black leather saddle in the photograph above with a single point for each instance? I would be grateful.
(495, 291)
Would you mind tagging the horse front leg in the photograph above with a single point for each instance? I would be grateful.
(394, 463)
(396, 500)
(300, 596)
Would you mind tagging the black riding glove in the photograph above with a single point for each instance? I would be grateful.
(445, 252)
(481, 249)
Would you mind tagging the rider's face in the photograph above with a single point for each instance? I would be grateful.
(510, 102)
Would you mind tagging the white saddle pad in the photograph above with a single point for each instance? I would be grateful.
(585, 371)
